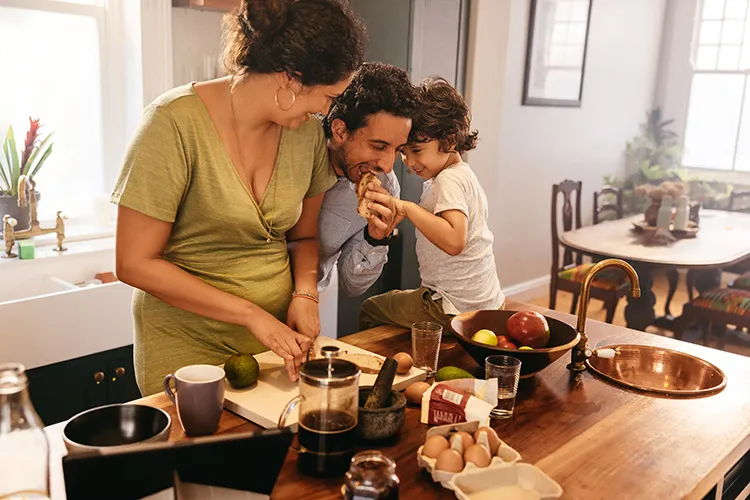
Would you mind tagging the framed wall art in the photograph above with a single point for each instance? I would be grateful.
(556, 52)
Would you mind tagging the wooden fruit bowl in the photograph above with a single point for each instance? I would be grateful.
(562, 339)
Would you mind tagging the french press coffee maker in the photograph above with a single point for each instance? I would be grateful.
(328, 401)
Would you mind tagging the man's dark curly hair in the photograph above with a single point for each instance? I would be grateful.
(442, 116)
(375, 87)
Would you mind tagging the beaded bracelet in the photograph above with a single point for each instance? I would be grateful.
(306, 295)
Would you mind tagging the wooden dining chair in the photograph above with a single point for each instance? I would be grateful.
(720, 306)
(607, 204)
(739, 201)
(568, 274)
(723, 306)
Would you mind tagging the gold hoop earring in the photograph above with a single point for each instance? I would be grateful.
(276, 98)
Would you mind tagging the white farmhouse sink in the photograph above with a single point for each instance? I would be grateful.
(46, 318)
(32, 286)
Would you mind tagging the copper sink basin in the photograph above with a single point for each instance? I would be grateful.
(659, 370)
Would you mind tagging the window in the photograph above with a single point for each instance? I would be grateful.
(717, 133)
(57, 58)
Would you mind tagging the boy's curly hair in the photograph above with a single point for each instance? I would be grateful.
(443, 116)
(375, 87)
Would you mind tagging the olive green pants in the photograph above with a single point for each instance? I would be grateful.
(402, 308)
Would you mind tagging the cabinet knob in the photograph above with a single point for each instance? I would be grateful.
(99, 377)
(119, 372)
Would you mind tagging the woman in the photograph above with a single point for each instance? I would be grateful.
(220, 193)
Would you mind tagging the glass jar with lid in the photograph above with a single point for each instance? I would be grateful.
(371, 476)
(24, 450)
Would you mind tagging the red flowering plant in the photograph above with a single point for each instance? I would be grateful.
(28, 160)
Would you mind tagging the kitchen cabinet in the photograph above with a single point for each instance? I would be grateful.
(61, 390)
(216, 5)
(424, 37)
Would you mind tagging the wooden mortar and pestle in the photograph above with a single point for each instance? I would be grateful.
(381, 409)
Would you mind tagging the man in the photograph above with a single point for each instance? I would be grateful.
(366, 128)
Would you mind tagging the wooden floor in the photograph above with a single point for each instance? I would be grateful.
(739, 344)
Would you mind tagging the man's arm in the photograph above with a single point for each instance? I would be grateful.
(360, 264)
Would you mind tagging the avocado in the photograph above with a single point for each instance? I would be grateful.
(451, 373)
(242, 370)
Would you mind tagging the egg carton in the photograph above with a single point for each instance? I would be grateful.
(510, 482)
(505, 454)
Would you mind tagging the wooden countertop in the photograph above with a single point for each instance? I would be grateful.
(595, 439)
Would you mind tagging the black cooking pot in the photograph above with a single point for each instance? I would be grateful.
(116, 425)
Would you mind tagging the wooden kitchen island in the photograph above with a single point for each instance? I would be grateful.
(597, 440)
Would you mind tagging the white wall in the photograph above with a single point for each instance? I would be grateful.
(196, 36)
(523, 150)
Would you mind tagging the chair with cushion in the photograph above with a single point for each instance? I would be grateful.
(739, 201)
(720, 306)
(742, 282)
(568, 274)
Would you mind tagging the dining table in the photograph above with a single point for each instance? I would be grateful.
(722, 239)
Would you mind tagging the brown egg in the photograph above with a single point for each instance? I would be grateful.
(478, 455)
(434, 445)
(450, 461)
(414, 392)
(465, 437)
(492, 438)
(404, 362)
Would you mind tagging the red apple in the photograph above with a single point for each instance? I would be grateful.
(528, 328)
(504, 342)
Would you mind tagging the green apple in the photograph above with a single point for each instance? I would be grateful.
(486, 337)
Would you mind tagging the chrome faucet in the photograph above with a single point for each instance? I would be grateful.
(10, 235)
(581, 352)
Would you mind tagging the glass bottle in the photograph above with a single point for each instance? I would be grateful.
(664, 219)
(24, 450)
(371, 476)
(682, 215)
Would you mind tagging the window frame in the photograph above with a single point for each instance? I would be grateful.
(121, 78)
(695, 71)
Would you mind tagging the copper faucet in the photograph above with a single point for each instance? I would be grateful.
(10, 235)
(581, 352)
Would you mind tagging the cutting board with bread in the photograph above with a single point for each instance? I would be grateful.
(263, 402)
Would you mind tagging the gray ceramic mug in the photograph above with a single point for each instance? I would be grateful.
(199, 398)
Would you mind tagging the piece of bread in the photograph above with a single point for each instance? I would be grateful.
(361, 190)
(367, 363)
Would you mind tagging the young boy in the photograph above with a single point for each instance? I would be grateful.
(454, 244)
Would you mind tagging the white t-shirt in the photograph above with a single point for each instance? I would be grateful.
(468, 281)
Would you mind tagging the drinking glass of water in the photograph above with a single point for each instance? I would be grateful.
(425, 345)
(507, 371)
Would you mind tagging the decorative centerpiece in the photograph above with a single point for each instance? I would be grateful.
(674, 190)
(19, 164)
(669, 215)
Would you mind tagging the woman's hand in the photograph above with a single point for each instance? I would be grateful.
(281, 339)
(304, 317)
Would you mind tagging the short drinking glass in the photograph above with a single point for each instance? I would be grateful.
(425, 345)
(507, 371)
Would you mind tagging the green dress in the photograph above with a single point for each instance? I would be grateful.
(177, 170)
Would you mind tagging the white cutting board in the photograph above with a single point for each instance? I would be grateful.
(263, 402)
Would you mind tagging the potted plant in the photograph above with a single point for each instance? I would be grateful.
(15, 162)
(654, 165)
